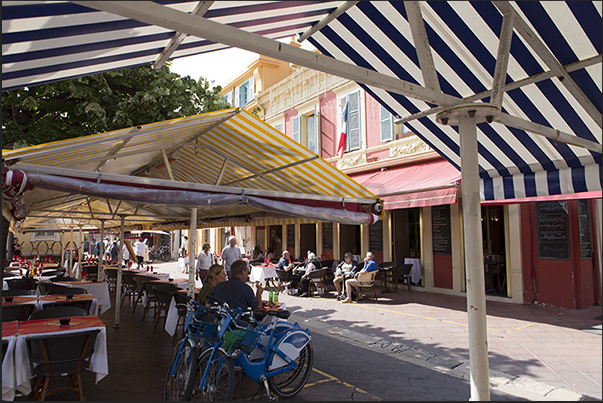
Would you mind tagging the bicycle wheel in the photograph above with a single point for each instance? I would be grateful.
(166, 256)
(220, 380)
(152, 257)
(288, 384)
(180, 371)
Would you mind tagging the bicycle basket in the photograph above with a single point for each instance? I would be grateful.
(204, 326)
(243, 339)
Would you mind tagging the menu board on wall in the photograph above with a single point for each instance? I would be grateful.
(553, 230)
(291, 236)
(376, 236)
(584, 228)
(440, 227)
(327, 235)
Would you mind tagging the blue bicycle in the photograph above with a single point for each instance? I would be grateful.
(278, 355)
(201, 327)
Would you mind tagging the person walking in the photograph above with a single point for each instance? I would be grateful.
(139, 248)
(204, 262)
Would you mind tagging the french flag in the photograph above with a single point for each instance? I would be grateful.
(344, 130)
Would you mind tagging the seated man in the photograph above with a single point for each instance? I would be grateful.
(235, 292)
(284, 264)
(369, 266)
(311, 265)
(344, 271)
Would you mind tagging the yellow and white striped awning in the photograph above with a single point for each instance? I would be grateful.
(201, 161)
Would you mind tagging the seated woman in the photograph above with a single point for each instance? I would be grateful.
(345, 270)
(216, 274)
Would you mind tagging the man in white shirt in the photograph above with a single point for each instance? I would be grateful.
(139, 248)
(230, 254)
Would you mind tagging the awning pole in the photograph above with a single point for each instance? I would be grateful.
(71, 254)
(101, 272)
(119, 269)
(79, 256)
(192, 251)
(472, 230)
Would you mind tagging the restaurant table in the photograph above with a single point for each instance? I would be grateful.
(139, 272)
(58, 298)
(100, 289)
(261, 272)
(16, 372)
(415, 272)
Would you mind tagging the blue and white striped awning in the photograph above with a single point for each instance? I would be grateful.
(47, 41)
(552, 82)
(464, 38)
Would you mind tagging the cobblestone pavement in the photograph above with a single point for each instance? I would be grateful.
(415, 347)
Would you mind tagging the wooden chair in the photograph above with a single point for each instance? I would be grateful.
(283, 284)
(16, 312)
(58, 356)
(318, 280)
(57, 311)
(402, 274)
(367, 283)
(164, 294)
(129, 287)
(111, 276)
(140, 288)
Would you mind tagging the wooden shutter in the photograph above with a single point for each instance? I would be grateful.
(353, 141)
(386, 124)
(296, 134)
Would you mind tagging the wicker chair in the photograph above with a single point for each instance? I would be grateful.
(57, 356)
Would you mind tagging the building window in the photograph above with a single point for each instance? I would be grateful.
(312, 133)
(305, 131)
(387, 125)
(228, 98)
(246, 92)
(296, 134)
(352, 128)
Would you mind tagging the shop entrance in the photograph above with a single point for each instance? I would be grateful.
(275, 239)
(493, 233)
(349, 241)
(407, 234)
(307, 240)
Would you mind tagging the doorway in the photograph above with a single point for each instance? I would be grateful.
(349, 241)
(307, 240)
(407, 234)
(275, 239)
(493, 233)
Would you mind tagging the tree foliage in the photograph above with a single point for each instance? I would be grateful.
(102, 102)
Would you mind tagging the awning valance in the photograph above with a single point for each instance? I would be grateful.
(420, 185)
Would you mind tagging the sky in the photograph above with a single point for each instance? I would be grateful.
(220, 66)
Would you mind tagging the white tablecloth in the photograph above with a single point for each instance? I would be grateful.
(16, 372)
(99, 289)
(415, 272)
(261, 273)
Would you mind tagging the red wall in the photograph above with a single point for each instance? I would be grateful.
(442, 271)
(328, 124)
(562, 283)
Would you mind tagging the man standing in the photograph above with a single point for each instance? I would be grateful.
(369, 266)
(230, 254)
(235, 291)
(139, 248)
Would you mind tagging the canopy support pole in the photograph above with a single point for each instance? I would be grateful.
(192, 252)
(472, 231)
(120, 257)
(72, 252)
(101, 250)
(78, 273)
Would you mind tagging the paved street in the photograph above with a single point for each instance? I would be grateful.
(415, 347)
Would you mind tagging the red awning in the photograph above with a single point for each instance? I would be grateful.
(419, 185)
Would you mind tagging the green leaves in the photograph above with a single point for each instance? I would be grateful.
(102, 102)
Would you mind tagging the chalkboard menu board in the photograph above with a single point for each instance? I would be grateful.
(376, 236)
(327, 235)
(440, 227)
(553, 230)
(290, 235)
(584, 228)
